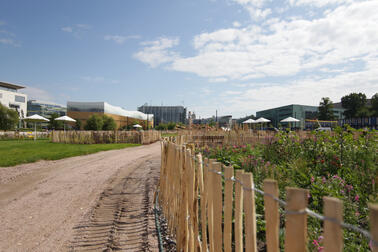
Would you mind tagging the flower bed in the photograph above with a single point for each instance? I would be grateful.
(342, 165)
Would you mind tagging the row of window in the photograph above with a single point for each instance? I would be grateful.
(17, 98)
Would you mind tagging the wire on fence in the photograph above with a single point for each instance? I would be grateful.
(311, 213)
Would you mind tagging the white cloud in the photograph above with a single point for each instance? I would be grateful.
(83, 26)
(285, 48)
(236, 24)
(255, 8)
(319, 3)
(9, 41)
(38, 94)
(67, 29)
(120, 39)
(156, 52)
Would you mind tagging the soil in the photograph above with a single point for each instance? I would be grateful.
(98, 202)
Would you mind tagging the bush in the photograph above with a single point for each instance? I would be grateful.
(78, 124)
(8, 118)
(109, 123)
(94, 122)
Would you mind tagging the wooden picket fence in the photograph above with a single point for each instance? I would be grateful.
(200, 211)
(101, 137)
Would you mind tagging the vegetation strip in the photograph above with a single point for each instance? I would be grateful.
(13, 152)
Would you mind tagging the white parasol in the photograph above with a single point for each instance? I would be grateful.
(65, 119)
(35, 118)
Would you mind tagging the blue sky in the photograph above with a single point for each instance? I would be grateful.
(234, 56)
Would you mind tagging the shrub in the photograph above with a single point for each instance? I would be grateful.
(109, 123)
(8, 118)
(94, 122)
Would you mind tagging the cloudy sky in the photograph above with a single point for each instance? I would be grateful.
(234, 56)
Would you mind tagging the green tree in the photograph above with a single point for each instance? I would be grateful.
(355, 105)
(326, 109)
(8, 118)
(78, 124)
(54, 124)
(374, 105)
(109, 123)
(94, 122)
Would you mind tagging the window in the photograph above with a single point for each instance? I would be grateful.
(19, 98)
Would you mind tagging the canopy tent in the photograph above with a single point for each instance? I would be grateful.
(290, 120)
(249, 121)
(262, 120)
(65, 119)
(35, 118)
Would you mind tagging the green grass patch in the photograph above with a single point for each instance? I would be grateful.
(13, 152)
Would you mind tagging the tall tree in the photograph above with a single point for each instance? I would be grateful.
(326, 109)
(109, 123)
(355, 105)
(374, 105)
(8, 118)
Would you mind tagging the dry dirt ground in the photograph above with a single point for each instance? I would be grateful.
(98, 202)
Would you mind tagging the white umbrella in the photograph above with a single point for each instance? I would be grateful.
(35, 118)
(65, 119)
(137, 126)
(290, 120)
(262, 120)
(249, 121)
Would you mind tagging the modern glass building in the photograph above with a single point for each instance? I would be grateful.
(11, 98)
(165, 114)
(45, 109)
(122, 117)
(300, 112)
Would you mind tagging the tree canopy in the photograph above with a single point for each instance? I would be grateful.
(95, 122)
(109, 123)
(8, 118)
(374, 105)
(326, 109)
(355, 105)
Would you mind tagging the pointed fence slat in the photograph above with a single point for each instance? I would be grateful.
(373, 216)
(272, 216)
(250, 214)
(228, 190)
(239, 212)
(296, 220)
(333, 234)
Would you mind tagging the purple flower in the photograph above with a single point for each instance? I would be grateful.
(357, 198)
(323, 179)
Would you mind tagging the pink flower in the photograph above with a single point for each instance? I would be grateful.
(320, 238)
(342, 191)
(357, 198)
(312, 179)
(315, 242)
(323, 179)
(308, 195)
(320, 249)
(357, 214)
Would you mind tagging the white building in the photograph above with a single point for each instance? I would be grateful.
(11, 98)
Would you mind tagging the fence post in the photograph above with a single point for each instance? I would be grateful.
(296, 220)
(333, 233)
(190, 178)
(250, 214)
(272, 216)
(210, 215)
(228, 190)
(217, 207)
(204, 190)
(239, 212)
(373, 216)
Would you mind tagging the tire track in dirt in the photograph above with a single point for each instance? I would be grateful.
(121, 219)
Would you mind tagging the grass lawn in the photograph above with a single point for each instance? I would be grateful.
(13, 152)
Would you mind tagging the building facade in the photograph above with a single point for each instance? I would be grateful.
(300, 112)
(11, 98)
(165, 114)
(45, 109)
(83, 110)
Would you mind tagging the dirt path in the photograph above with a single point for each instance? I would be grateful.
(99, 202)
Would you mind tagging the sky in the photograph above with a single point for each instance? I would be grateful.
(233, 56)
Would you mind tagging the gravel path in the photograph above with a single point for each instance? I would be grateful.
(98, 202)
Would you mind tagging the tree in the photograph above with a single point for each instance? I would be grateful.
(54, 124)
(326, 109)
(355, 105)
(94, 122)
(374, 105)
(109, 123)
(78, 124)
(8, 118)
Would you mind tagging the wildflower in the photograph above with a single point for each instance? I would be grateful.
(357, 198)
(323, 179)
(312, 179)
(342, 191)
(320, 238)
(308, 195)
(357, 214)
